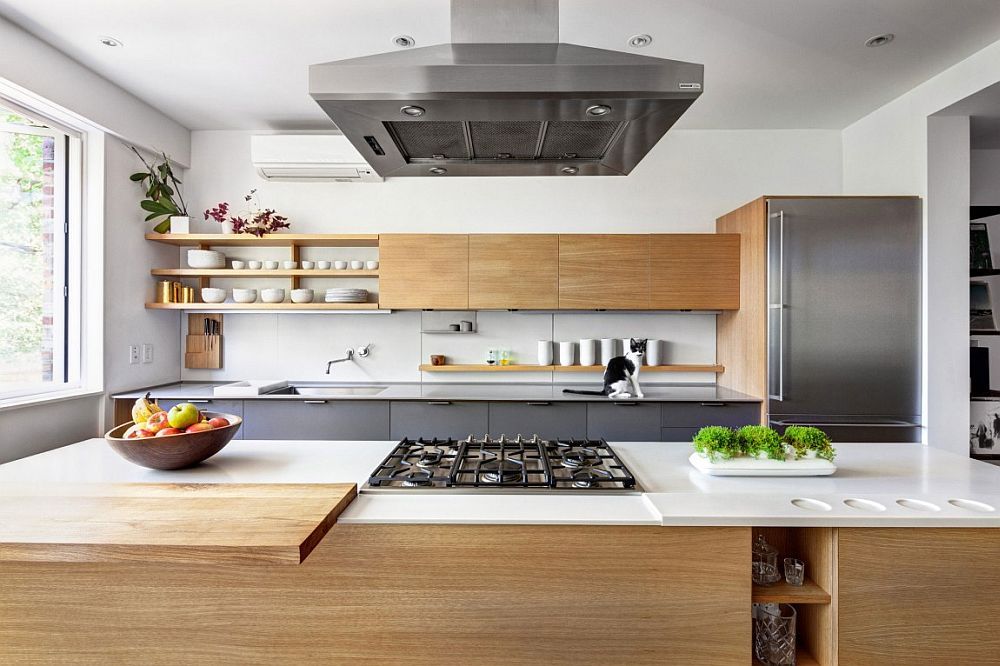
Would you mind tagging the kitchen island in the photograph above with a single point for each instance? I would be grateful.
(899, 545)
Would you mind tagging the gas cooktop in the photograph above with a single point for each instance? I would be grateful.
(502, 464)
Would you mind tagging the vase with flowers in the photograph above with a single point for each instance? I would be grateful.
(253, 220)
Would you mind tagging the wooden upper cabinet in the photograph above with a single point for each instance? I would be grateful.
(516, 271)
(694, 271)
(424, 271)
(606, 271)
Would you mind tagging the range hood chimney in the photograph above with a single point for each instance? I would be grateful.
(505, 98)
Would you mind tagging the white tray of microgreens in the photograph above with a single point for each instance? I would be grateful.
(758, 450)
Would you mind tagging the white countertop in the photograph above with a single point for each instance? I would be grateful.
(675, 494)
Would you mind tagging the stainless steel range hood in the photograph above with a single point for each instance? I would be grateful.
(500, 108)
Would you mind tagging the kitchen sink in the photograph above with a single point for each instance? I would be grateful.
(330, 391)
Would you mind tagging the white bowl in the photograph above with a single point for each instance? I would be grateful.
(371, 265)
(302, 295)
(340, 265)
(238, 265)
(255, 265)
(244, 295)
(357, 265)
(271, 265)
(206, 259)
(323, 265)
(290, 265)
(213, 295)
(272, 295)
(308, 265)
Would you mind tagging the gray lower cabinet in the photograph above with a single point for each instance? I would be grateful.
(551, 420)
(234, 407)
(624, 421)
(437, 418)
(678, 434)
(699, 414)
(319, 419)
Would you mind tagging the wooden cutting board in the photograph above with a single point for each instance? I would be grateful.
(184, 523)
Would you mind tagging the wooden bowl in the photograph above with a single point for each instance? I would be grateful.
(173, 451)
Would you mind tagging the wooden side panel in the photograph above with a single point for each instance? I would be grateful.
(609, 271)
(694, 271)
(415, 594)
(741, 335)
(918, 596)
(518, 271)
(424, 271)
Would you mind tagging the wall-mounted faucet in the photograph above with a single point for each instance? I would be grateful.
(349, 353)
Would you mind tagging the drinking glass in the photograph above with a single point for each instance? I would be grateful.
(764, 570)
(795, 571)
(774, 634)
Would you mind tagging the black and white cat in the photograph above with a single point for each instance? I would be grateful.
(622, 373)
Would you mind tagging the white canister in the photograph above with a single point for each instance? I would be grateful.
(652, 352)
(544, 352)
(588, 352)
(607, 350)
(566, 355)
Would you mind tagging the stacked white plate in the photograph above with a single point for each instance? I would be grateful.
(344, 295)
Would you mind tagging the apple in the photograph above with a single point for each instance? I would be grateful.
(140, 433)
(169, 431)
(182, 415)
(218, 422)
(157, 422)
(198, 427)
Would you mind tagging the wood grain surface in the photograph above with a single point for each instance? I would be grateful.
(168, 523)
(609, 271)
(694, 271)
(414, 594)
(518, 271)
(424, 271)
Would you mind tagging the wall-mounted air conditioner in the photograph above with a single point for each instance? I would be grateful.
(309, 157)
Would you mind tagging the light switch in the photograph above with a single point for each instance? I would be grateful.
(133, 354)
(147, 352)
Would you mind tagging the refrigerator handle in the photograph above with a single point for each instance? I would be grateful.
(780, 306)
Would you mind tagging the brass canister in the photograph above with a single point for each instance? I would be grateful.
(176, 288)
(188, 295)
(164, 291)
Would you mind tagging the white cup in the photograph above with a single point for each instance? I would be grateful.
(544, 352)
(290, 265)
(607, 350)
(371, 265)
(566, 355)
(308, 265)
(323, 265)
(357, 265)
(255, 265)
(588, 352)
(339, 265)
(271, 265)
(652, 352)
(239, 265)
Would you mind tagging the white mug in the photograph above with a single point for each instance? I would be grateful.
(652, 352)
(588, 352)
(566, 355)
(544, 352)
(607, 350)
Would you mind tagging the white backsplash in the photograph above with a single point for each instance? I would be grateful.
(298, 346)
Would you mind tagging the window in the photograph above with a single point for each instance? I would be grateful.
(39, 215)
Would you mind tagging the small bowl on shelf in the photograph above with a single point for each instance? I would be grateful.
(357, 265)
(272, 295)
(323, 265)
(244, 295)
(289, 265)
(371, 265)
(238, 265)
(340, 265)
(308, 265)
(178, 451)
(271, 265)
(254, 265)
(206, 259)
(302, 295)
(213, 295)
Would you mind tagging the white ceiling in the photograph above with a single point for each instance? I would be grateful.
(227, 64)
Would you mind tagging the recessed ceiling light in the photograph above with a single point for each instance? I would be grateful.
(403, 41)
(110, 41)
(880, 40)
(639, 41)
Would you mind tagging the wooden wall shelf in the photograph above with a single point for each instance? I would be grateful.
(783, 593)
(271, 240)
(563, 368)
(291, 307)
(262, 273)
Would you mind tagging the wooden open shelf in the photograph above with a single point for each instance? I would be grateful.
(261, 273)
(783, 593)
(802, 658)
(563, 368)
(270, 240)
(291, 307)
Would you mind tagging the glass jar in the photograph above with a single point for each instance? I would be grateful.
(764, 569)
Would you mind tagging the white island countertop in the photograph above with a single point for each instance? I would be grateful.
(915, 486)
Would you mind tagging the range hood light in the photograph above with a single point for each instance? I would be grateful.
(412, 111)
(570, 170)
(403, 41)
(598, 110)
(438, 171)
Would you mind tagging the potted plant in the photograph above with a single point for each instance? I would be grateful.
(758, 441)
(809, 442)
(254, 220)
(717, 443)
(161, 188)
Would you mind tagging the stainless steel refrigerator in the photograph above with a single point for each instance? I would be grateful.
(844, 284)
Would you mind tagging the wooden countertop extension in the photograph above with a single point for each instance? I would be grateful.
(178, 523)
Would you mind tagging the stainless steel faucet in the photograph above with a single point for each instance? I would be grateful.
(349, 357)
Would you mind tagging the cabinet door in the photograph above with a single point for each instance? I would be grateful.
(604, 271)
(424, 271)
(441, 419)
(317, 419)
(694, 271)
(551, 420)
(234, 407)
(516, 271)
(700, 414)
(624, 421)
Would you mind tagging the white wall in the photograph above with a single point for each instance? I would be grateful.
(985, 175)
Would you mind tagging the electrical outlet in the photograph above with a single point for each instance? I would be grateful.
(147, 352)
(133, 354)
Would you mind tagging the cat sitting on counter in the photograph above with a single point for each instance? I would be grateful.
(622, 373)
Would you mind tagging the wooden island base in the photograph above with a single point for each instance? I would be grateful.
(478, 594)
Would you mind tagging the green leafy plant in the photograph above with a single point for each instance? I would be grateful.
(756, 439)
(716, 443)
(805, 438)
(161, 187)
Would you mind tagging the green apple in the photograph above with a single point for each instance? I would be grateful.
(183, 415)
